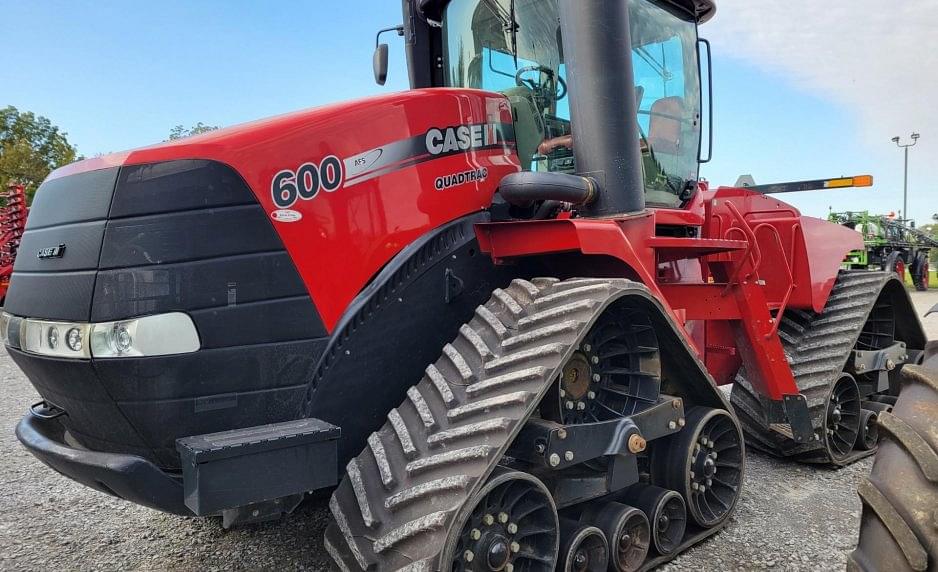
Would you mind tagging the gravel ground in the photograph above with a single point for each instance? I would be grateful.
(791, 517)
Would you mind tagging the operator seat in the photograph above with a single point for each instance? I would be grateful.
(664, 126)
(529, 123)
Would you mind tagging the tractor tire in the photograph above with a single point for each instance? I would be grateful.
(920, 271)
(419, 497)
(899, 525)
(895, 263)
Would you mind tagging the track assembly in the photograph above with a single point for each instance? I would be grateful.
(859, 319)
(436, 490)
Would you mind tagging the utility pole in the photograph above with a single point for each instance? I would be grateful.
(905, 184)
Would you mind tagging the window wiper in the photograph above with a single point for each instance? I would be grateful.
(654, 64)
(509, 23)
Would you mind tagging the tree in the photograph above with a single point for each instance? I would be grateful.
(31, 148)
(178, 132)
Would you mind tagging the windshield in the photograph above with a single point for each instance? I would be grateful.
(527, 66)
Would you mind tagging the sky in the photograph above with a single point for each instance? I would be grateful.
(802, 89)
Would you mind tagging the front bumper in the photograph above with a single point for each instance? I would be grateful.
(125, 476)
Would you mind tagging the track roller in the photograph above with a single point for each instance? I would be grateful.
(869, 433)
(666, 513)
(705, 463)
(583, 548)
(627, 533)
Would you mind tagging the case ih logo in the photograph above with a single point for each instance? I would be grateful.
(464, 138)
(51, 252)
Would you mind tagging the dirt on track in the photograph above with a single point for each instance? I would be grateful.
(790, 517)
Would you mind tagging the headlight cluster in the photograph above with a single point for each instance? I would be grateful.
(163, 334)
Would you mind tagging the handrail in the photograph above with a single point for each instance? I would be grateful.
(753, 251)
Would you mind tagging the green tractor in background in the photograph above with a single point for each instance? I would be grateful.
(891, 244)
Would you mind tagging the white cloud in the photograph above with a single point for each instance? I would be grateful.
(878, 59)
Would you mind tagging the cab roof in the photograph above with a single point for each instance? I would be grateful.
(703, 9)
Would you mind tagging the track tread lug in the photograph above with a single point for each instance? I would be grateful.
(441, 385)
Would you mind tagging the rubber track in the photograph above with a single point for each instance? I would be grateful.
(817, 347)
(401, 495)
(899, 525)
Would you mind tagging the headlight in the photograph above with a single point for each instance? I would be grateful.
(4, 324)
(160, 335)
(163, 334)
(47, 338)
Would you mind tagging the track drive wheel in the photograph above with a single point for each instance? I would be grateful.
(705, 463)
(899, 525)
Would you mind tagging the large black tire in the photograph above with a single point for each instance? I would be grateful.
(899, 526)
(920, 271)
(895, 263)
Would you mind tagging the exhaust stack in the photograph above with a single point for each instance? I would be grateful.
(597, 51)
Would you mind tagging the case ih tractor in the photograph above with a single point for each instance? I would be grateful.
(494, 311)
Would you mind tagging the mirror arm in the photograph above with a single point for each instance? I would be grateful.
(399, 29)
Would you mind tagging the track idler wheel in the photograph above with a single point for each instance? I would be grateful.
(512, 525)
(869, 433)
(583, 548)
(705, 462)
(666, 513)
(627, 532)
(842, 419)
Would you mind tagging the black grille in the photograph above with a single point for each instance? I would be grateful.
(176, 236)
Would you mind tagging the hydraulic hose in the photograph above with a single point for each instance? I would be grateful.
(528, 187)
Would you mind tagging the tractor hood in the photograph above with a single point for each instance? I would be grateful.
(355, 181)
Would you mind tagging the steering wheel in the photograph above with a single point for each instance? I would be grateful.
(536, 87)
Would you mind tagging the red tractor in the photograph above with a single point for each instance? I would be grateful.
(494, 310)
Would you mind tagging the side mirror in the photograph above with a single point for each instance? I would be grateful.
(380, 63)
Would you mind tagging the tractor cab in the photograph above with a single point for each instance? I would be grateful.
(517, 49)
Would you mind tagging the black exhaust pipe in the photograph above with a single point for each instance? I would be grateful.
(597, 51)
